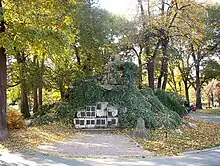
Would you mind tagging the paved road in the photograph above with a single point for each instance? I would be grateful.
(204, 158)
(209, 117)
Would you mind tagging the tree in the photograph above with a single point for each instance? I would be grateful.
(35, 32)
(3, 76)
(217, 93)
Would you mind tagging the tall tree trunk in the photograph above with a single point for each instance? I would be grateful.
(164, 66)
(35, 96)
(146, 39)
(151, 66)
(212, 98)
(198, 82)
(24, 97)
(35, 107)
(198, 89)
(186, 90)
(150, 70)
(180, 87)
(3, 77)
(40, 89)
(140, 72)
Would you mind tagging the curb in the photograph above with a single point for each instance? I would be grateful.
(203, 150)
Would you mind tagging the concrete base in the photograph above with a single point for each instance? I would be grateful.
(3, 135)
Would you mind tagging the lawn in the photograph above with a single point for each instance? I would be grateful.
(205, 135)
(215, 111)
(34, 136)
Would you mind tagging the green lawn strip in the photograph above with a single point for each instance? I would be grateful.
(206, 135)
(215, 111)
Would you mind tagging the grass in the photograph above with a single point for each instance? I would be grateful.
(33, 136)
(215, 111)
(205, 135)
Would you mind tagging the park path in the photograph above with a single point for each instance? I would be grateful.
(203, 158)
(93, 144)
(210, 157)
(209, 117)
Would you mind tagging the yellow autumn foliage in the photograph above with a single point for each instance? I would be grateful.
(15, 119)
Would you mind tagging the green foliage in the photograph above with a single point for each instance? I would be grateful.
(129, 71)
(132, 103)
(211, 71)
(58, 112)
(171, 100)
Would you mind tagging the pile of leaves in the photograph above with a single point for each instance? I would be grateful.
(205, 135)
(33, 136)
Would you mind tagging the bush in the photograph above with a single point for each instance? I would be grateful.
(172, 101)
(15, 119)
(59, 112)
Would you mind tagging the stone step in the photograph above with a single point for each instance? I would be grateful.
(96, 130)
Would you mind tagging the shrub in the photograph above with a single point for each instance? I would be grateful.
(172, 101)
(59, 112)
(15, 119)
(65, 112)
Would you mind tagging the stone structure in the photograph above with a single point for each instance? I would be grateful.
(140, 130)
(100, 115)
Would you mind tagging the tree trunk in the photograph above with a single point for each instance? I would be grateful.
(198, 88)
(35, 96)
(164, 66)
(40, 89)
(150, 66)
(24, 99)
(35, 107)
(198, 82)
(165, 79)
(212, 98)
(186, 90)
(3, 80)
(140, 72)
(150, 70)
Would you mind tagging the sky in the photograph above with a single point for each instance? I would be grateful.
(119, 6)
(126, 7)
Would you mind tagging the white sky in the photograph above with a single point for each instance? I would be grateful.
(119, 6)
(127, 7)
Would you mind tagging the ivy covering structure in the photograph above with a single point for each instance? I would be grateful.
(117, 87)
